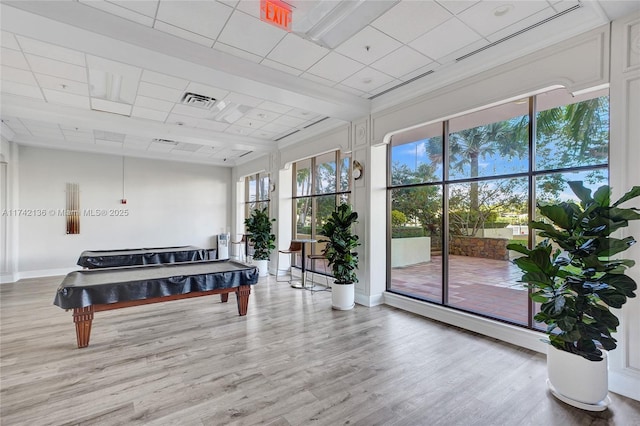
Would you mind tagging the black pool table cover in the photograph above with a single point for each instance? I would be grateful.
(111, 285)
(141, 256)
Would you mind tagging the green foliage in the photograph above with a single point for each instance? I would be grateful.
(407, 232)
(258, 226)
(341, 243)
(577, 282)
(398, 218)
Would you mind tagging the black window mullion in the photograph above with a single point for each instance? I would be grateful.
(445, 213)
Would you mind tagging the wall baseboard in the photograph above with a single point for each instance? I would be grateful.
(17, 276)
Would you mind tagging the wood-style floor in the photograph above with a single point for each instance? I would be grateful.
(291, 361)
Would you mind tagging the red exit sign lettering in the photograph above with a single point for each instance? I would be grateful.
(276, 13)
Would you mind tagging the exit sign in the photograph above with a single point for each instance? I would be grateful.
(276, 13)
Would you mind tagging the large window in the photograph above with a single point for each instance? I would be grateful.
(256, 190)
(460, 190)
(321, 183)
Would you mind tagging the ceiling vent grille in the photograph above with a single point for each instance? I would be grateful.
(165, 141)
(530, 27)
(401, 84)
(198, 101)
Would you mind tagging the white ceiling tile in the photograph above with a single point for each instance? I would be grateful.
(448, 37)
(289, 121)
(182, 33)
(409, 19)
(211, 125)
(111, 144)
(191, 111)
(335, 67)
(13, 58)
(62, 84)
(56, 68)
(275, 128)
(144, 7)
(122, 12)
(17, 75)
(182, 120)
(62, 98)
(251, 123)
(21, 89)
(79, 139)
(248, 33)
(296, 52)
(203, 89)
(280, 67)
(137, 146)
(401, 62)
(262, 114)
(237, 52)
(300, 113)
(51, 51)
(528, 21)
(159, 92)
(261, 134)
(148, 113)
(204, 17)
(241, 99)
(155, 104)
(252, 7)
(8, 40)
(239, 130)
(160, 147)
(486, 19)
(47, 134)
(368, 45)
(561, 6)
(367, 80)
(457, 6)
(15, 124)
(275, 107)
(38, 123)
(110, 106)
(164, 80)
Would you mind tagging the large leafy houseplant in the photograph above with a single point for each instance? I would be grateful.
(571, 274)
(258, 226)
(341, 244)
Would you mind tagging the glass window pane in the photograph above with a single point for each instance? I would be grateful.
(303, 178)
(572, 131)
(490, 142)
(416, 242)
(416, 155)
(345, 173)
(263, 192)
(252, 194)
(303, 217)
(326, 173)
(482, 278)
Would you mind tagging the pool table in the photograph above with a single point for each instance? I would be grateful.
(94, 290)
(142, 256)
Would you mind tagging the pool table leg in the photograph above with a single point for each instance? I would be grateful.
(224, 297)
(242, 295)
(83, 317)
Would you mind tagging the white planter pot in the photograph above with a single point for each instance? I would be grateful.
(578, 381)
(343, 296)
(263, 267)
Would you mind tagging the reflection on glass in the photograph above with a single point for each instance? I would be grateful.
(326, 173)
(416, 242)
(416, 155)
(345, 173)
(303, 178)
(572, 131)
(489, 142)
(481, 277)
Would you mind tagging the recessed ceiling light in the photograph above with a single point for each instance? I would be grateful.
(367, 80)
(502, 10)
(262, 115)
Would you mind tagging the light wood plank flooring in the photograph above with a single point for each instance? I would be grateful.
(291, 361)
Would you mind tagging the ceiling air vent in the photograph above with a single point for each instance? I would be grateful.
(165, 141)
(401, 84)
(198, 101)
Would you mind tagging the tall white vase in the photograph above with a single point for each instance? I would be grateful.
(343, 296)
(578, 381)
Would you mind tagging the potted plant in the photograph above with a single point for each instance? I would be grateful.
(258, 227)
(571, 275)
(340, 253)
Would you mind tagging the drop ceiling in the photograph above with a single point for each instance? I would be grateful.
(209, 82)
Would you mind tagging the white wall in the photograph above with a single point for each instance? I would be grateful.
(168, 203)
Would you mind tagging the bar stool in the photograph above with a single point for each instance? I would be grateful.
(294, 248)
(243, 249)
(313, 258)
